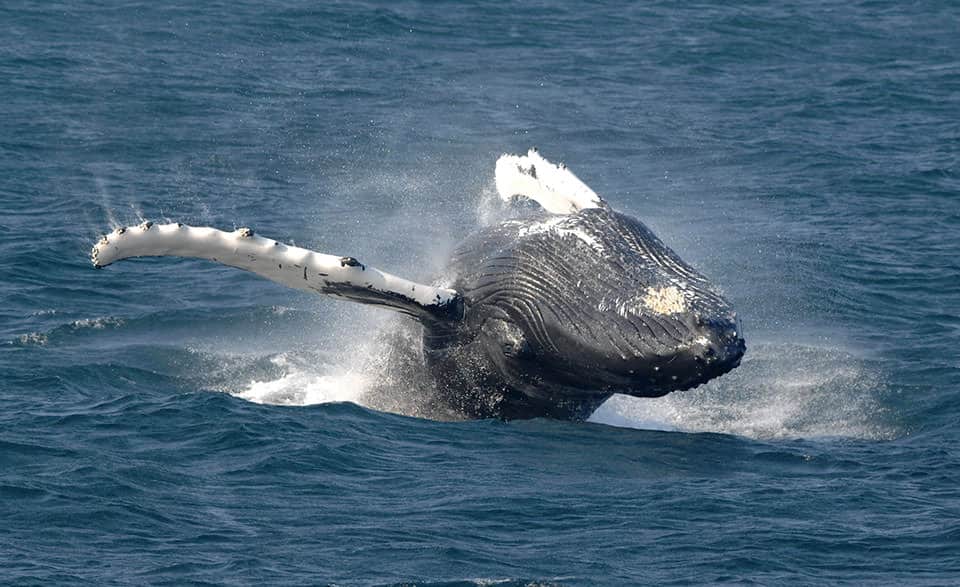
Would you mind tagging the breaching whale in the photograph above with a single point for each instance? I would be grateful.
(546, 315)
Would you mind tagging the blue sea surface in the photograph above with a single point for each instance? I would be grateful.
(177, 422)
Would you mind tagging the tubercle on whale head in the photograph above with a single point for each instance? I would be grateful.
(716, 348)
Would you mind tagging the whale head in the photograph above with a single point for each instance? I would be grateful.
(593, 303)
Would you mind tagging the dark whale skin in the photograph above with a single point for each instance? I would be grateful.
(561, 312)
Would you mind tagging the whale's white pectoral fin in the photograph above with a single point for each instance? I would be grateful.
(554, 187)
(291, 266)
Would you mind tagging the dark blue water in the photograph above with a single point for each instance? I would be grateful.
(170, 421)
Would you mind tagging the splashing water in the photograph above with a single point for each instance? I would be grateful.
(780, 391)
(300, 386)
(382, 372)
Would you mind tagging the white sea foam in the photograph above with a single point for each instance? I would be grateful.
(97, 323)
(304, 389)
(300, 385)
(32, 339)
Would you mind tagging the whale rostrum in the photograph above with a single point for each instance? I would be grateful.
(547, 315)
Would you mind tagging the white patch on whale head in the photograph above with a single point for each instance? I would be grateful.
(665, 300)
(659, 300)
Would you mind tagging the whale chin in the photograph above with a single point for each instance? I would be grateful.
(715, 349)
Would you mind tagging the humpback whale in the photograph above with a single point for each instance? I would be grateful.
(543, 315)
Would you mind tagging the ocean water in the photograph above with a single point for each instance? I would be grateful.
(173, 421)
